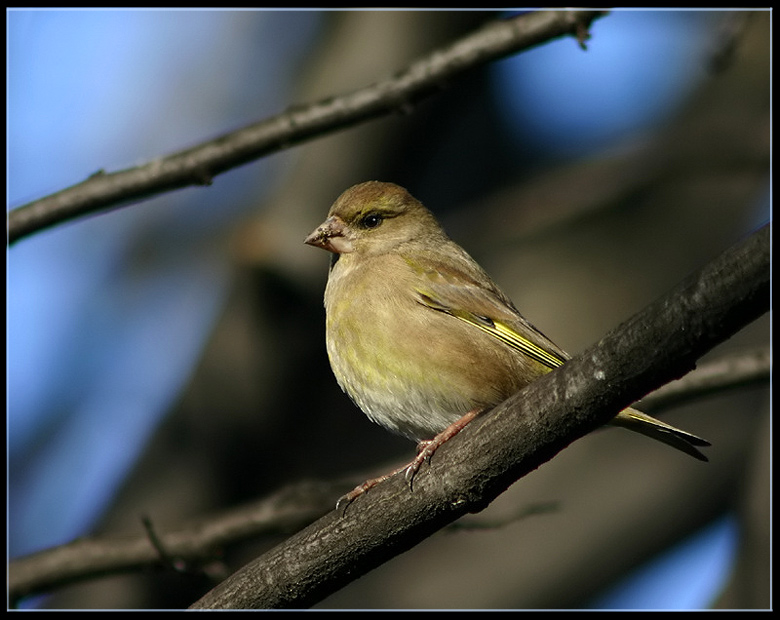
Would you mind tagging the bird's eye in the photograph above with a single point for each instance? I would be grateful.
(372, 220)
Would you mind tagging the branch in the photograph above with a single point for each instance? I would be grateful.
(657, 345)
(200, 164)
(730, 372)
(188, 546)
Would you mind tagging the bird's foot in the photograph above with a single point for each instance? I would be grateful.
(425, 450)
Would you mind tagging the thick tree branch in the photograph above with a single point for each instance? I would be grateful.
(657, 345)
(200, 164)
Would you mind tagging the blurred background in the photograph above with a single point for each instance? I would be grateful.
(167, 359)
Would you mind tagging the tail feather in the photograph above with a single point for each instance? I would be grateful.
(642, 423)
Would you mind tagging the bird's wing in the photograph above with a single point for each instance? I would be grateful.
(463, 290)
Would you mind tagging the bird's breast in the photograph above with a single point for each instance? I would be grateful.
(410, 368)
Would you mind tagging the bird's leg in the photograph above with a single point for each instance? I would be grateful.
(345, 500)
(425, 450)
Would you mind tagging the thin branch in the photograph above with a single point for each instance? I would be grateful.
(189, 545)
(200, 164)
(657, 345)
(727, 373)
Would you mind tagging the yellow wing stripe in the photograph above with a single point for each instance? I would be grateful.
(513, 339)
(498, 330)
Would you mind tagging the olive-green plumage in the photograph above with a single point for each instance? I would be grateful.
(417, 333)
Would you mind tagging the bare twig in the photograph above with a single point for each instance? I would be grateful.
(191, 544)
(730, 372)
(200, 164)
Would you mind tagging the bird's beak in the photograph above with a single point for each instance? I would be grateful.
(331, 235)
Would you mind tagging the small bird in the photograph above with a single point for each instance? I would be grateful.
(417, 333)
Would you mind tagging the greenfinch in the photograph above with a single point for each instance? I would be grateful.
(417, 333)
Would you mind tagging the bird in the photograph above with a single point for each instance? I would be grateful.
(417, 333)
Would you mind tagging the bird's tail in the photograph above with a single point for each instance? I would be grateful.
(642, 423)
